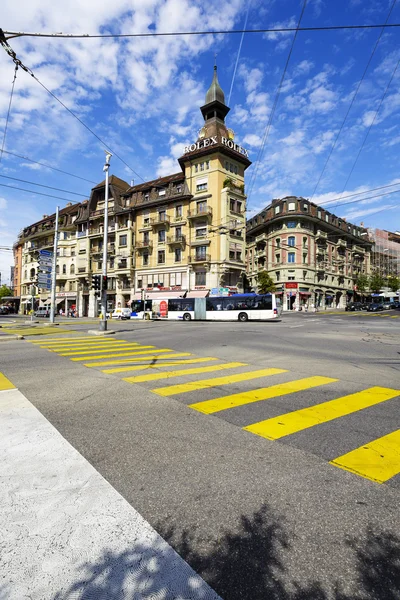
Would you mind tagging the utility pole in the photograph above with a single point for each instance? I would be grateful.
(103, 322)
(53, 271)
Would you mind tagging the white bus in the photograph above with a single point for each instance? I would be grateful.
(239, 307)
(139, 311)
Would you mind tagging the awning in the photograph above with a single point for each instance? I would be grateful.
(197, 294)
(47, 301)
(305, 293)
(278, 293)
(59, 300)
(158, 295)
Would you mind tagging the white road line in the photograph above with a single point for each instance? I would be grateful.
(295, 326)
(61, 522)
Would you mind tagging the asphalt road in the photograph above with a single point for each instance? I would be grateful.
(257, 517)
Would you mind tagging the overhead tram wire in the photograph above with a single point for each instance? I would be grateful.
(47, 166)
(13, 187)
(15, 34)
(49, 187)
(371, 125)
(353, 99)
(273, 109)
(9, 111)
(239, 51)
(381, 187)
(18, 62)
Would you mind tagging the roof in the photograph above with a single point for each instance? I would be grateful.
(115, 181)
(215, 93)
(160, 182)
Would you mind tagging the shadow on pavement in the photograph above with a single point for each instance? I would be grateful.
(247, 564)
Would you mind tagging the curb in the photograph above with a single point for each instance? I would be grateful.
(97, 332)
(8, 338)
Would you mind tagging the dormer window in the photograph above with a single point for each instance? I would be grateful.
(161, 192)
(146, 197)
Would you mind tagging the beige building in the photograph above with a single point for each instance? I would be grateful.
(313, 256)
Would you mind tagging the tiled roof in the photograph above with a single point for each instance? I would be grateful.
(115, 181)
(160, 182)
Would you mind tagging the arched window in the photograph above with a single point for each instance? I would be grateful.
(305, 242)
(291, 241)
(33, 273)
(57, 269)
(64, 269)
(25, 274)
(72, 269)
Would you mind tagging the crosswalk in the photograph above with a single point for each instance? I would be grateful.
(282, 407)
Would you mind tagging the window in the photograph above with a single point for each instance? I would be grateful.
(235, 252)
(145, 259)
(64, 269)
(319, 214)
(291, 205)
(201, 252)
(305, 242)
(161, 236)
(123, 240)
(327, 218)
(200, 278)
(146, 220)
(196, 168)
(201, 207)
(291, 278)
(72, 270)
(305, 207)
(162, 216)
(146, 197)
(139, 283)
(161, 257)
(291, 241)
(146, 237)
(291, 224)
(235, 205)
(178, 211)
(201, 187)
(178, 189)
(304, 275)
(202, 166)
(161, 192)
(278, 258)
(178, 255)
(277, 275)
(207, 164)
(278, 242)
(304, 259)
(291, 257)
(277, 210)
(201, 232)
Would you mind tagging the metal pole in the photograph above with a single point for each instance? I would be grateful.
(53, 272)
(103, 322)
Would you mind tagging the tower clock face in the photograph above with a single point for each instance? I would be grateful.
(202, 133)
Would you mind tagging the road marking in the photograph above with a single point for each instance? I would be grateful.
(110, 351)
(68, 347)
(295, 326)
(171, 390)
(128, 361)
(74, 343)
(64, 339)
(378, 460)
(153, 352)
(5, 384)
(298, 420)
(225, 402)
(187, 361)
(181, 372)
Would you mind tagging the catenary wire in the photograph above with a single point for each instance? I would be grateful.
(277, 94)
(13, 187)
(47, 166)
(13, 34)
(44, 186)
(238, 54)
(353, 99)
(8, 112)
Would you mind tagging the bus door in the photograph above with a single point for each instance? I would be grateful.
(200, 309)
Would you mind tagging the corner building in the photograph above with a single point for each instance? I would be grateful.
(190, 226)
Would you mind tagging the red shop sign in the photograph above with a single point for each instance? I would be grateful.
(291, 285)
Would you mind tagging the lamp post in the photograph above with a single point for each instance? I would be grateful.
(103, 322)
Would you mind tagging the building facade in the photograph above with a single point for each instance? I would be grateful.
(313, 256)
(385, 256)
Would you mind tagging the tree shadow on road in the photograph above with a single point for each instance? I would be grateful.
(250, 563)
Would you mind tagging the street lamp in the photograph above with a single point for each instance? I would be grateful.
(103, 322)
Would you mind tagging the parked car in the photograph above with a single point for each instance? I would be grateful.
(387, 305)
(353, 306)
(4, 310)
(42, 311)
(374, 307)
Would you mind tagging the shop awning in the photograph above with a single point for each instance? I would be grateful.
(158, 295)
(197, 294)
(48, 301)
(305, 293)
(59, 300)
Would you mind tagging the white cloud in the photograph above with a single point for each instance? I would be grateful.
(251, 139)
(303, 68)
(166, 166)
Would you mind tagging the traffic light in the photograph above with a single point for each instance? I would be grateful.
(96, 282)
(104, 282)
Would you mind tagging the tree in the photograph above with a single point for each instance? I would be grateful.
(376, 282)
(5, 291)
(265, 283)
(362, 284)
(394, 283)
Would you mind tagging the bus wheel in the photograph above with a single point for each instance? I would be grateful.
(187, 317)
(243, 317)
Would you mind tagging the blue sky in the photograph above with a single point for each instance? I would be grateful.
(142, 96)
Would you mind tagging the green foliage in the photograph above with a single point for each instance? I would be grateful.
(362, 283)
(265, 283)
(394, 283)
(376, 282)
(228, 182)
(5, 291)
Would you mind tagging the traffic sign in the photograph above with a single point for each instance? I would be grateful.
(45, 253)
(45, 269)
(45, 261)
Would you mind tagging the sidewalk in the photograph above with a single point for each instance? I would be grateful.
(66, 533)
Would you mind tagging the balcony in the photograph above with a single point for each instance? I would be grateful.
(342, 243)
(358, 249)
(125, 285)
(161, 220)
(96, 250)
(176, 240)
(146, 225)
(144, 245)
(178, 219)
(123, 264)
(205, 211)
(321, 235)
(111, 247)
(200, 258)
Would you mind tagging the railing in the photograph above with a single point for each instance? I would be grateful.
(206, 211)
(321, 234)
(81, 234)
(359, 249)
(96, 250)
(125, 286)
(122, 264)
(179, 218)
(200, 258)
(342, 243)
(144, 244)
(176, 239)
(160, 220)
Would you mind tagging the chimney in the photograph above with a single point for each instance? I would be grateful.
(132, 182)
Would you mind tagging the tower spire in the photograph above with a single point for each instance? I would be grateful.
(214, 106)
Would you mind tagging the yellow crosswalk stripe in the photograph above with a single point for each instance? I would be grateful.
(171, 390)
(82, 343)
(225, 402)
(152, 352)
(68, 347)
(187, 361)
(63, 339)
(111, 350)
(128, 361)
(378, 460)
(304, 418)
(5, 384)
(180, 373)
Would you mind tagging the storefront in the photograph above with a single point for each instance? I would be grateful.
(291, 295)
